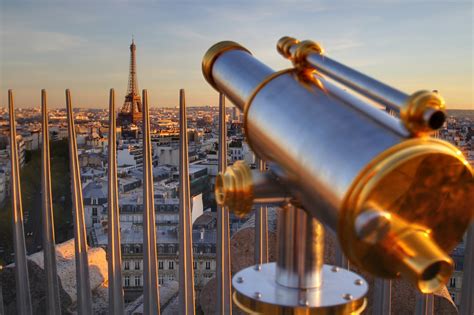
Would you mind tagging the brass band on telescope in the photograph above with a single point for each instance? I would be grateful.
(212, 54)
(396, 165)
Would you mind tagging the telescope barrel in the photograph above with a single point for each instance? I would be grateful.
(339, 162)
(380, 92)
(422, 112)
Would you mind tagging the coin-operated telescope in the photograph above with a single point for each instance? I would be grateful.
(398, 199)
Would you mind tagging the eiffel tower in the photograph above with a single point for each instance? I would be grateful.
(131, 112)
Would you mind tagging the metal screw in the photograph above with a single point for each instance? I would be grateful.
(358, 282)
(258, 295)
(304, 302)
(347, 297)
(258, 267)
(240, 280)
(335, 269)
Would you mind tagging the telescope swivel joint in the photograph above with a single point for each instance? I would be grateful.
(239, 187)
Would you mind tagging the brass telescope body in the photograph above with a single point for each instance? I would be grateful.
(398, 200)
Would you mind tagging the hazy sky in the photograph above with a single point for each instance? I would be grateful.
(84, 45)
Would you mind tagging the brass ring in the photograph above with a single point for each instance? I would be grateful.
(248, 103)
(303, 49)
(243, 307)
(284, 45)
(211, 55)
(416, 106)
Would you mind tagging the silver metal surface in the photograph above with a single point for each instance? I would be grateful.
(84, 299)
(424, 304)
(186, 270)
(341, 259)
(266, 189)
(363, 84)
(386, 118)
(151, 293)
(338, 283)
(114, 257)
(223, 272)
(23, 298)
(237, 74)
(467, 290)
(261, 227)
(300, 249)
(317, 126)
(53, 303)
(382, 297)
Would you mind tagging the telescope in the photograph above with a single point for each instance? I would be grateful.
(398, 199)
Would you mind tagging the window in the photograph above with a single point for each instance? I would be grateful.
(137, 281)
(126, 265)
(195, 264)
(208, 265)
(171, 265)
(453, 296)
(94, 211)
(127, 281)
(137, 265)
(160, 265)
(160, 281)
(452, 282)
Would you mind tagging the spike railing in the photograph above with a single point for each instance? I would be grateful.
(382, 289)
(53, 303)
(186, 271)
(23, 300)
(151, 298)
(84, 297)
(113, 229)
(223, 272)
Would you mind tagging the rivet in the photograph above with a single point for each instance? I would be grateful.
(358, 282)
(304, 302)
(258, 295)
(347, 297)
(240, 280)
(335, 269)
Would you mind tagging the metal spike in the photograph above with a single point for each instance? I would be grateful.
(2, 310)
(114, 254)
(261, 228)
(23, 298)
(84, 299)
(223, 273)
(341, 259)
(382, 297)
(151, 294)
(424, 304)
(53, 303)
(467, 290)
(186, 272)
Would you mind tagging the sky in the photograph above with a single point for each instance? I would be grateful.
(84, 45)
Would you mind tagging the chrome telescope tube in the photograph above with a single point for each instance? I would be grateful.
(340, 164)
(429, 105)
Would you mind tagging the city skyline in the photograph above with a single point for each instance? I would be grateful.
(85, 47)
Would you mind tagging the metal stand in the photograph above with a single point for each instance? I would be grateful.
(299, 280)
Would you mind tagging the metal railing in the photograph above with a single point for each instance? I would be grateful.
(382, 292)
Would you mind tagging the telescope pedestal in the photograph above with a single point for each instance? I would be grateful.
(299, 281)
(341, 292)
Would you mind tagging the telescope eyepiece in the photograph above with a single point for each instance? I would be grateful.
(424, 112)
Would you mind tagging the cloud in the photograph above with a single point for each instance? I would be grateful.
(39, 41)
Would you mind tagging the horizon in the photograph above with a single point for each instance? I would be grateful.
(85, 47)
